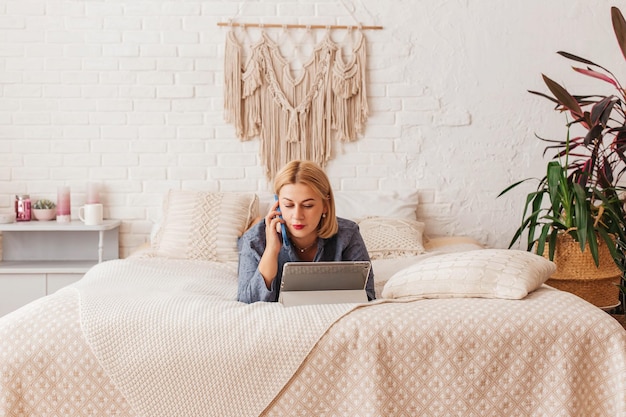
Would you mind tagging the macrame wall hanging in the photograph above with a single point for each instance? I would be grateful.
(295, 117)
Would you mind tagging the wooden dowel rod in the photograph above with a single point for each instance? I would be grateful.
(298, 26)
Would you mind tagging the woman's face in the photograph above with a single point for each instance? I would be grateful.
(302, 210)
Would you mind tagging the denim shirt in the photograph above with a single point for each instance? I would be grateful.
(346, 245)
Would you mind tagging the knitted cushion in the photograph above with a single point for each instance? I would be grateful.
(487, 273)
(387, 238)
(203, 225)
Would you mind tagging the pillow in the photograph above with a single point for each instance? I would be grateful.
(486, 273)
(203, 225)
(447, 244)
(387, 238)
(357, 205)
(266, 199)
(385, 268)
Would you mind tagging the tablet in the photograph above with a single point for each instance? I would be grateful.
(324, 282)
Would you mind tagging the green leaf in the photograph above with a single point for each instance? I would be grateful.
(552, 246)
(533, 218)
(510, 187)
(526, 220)
(583, 215)
(519, 230)
(553, 177)
(517, 235)
(541, 242)
(592, 239)
(610, 243)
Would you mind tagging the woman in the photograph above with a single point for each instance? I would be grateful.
(306, 203)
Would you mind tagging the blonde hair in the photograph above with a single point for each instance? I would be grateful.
(310, 174)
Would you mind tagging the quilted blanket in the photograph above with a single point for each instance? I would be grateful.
(550, 354)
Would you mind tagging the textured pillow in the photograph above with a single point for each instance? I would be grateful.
(386, 268)
(387, 238)
(203, 225)
(486, 273)
(357, 205)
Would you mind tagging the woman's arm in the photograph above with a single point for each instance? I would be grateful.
(258, 260)
(268, 265)
(252, 286)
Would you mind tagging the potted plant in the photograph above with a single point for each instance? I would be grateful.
(579, 197)
(44, 210)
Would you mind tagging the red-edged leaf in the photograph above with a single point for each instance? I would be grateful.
(619, 27)
(605, 174)
(577, 58)
(544, 96)
(593, 134)
(601, 111)
(597, 75)
(619, 141)
(564, 151)
(587, 168)
(563, 96)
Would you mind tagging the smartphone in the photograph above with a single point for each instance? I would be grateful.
(282, 225)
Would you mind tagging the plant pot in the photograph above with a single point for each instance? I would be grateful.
(576, 272)
(44, 214)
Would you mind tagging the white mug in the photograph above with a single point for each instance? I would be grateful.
(91, 214)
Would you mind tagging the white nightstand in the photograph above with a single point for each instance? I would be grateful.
(39, 257)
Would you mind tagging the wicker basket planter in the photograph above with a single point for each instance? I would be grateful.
(577, 273)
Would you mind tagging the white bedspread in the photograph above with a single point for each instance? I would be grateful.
(163, 337)
(178, 344)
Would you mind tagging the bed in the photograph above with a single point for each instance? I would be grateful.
(457, 329)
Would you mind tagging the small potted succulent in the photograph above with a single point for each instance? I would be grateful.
(44, 210)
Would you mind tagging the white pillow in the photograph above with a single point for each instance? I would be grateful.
(385, 268)
(357, 205)
(203, 225)
(447, 244)
(486, 273)
(387, 238)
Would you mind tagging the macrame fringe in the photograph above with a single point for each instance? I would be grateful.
(295, 117)
(232, 83)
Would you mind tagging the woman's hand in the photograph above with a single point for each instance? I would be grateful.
(268, 265)
(273, 233)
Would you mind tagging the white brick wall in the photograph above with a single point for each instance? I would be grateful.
(129, 93)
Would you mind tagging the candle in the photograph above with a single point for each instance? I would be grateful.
(93, 193)
(63, 204)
